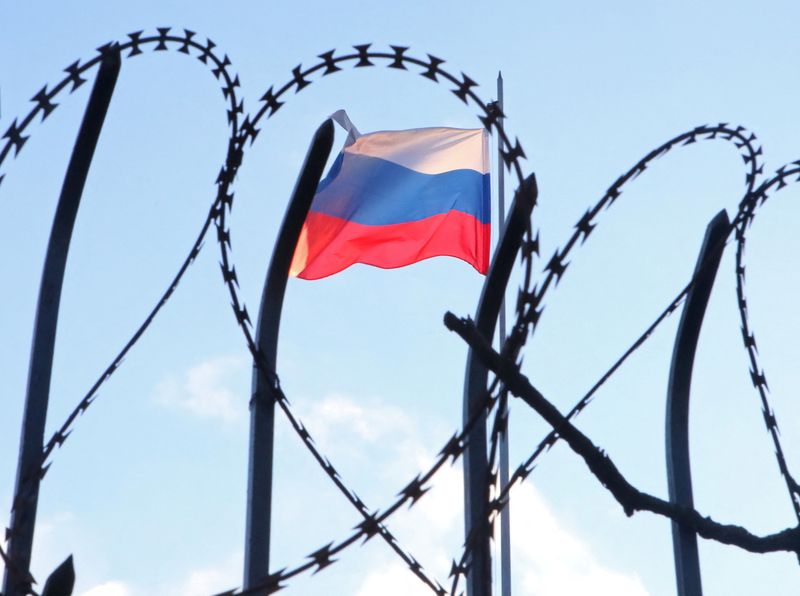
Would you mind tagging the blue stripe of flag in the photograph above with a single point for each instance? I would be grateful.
(373, 191)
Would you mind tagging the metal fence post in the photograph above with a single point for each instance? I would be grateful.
(679, 475)
(29, 471)
(262, 402)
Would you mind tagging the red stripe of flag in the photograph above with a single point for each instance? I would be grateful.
(329, 244)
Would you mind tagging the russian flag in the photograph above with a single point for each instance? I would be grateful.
(393, 198)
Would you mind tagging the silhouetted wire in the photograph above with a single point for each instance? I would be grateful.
(15, 138)
(530, 298)
(415, 489)
(530, 301)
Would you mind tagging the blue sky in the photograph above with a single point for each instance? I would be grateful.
(149, 491)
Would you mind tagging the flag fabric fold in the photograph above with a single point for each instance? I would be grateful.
(393, 198)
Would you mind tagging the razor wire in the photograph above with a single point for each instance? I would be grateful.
(16, 139)
(753, 199)
(414, 490)
(330, 63)
(556, 266)
(745, 218)
(529, 301)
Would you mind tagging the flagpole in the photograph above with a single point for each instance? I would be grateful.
(505, 515)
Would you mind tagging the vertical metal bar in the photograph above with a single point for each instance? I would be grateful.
(505, 514)
(476, 491)
(679, 475)
(262, 402)
(23, 517)
(501, 198)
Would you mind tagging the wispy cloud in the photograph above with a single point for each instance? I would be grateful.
(208, 389)
(365, 420)
(200, 581)
(393, 579)
(552, 560)
(549, 559)
(111, 588)
(57, 535)
(210, 579)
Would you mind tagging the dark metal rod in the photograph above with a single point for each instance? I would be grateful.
(23, 516)
(262, 402)
(505, 514)
(476, 473)
(679, 475)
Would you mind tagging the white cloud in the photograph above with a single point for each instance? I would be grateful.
(200, 581)
(211, 579)
(50, 542)
(58, 534)
(360, 419)
(392, 580)
(111, 588)
(207, 389)
(441, 506)
(548, 558)
(553, 561)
